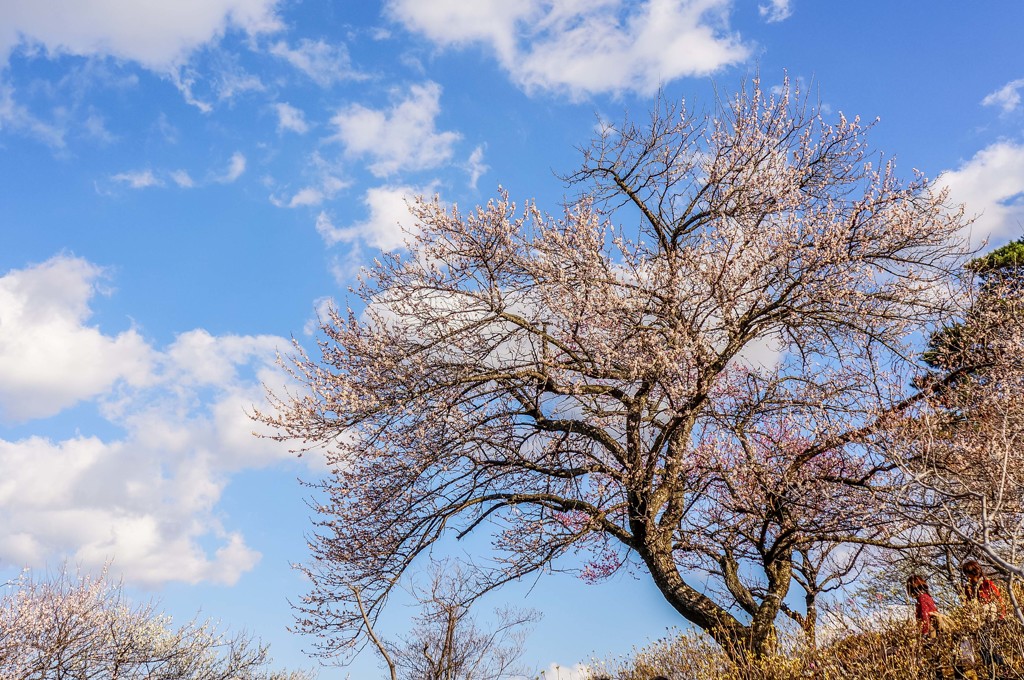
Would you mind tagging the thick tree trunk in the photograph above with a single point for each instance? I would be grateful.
(696, 607)
(810, 622)
(757, 640)
(763, 632)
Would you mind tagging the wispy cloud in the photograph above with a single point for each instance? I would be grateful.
(234, 81)
(16, 117)
(1007, 97)
(315, 195)
(235, 169)
(321, 309)
(323, 63)
(290, 119)
(166, 130)
(476, 166)
(324, 185)
(775, 11)
(330, 233)
(183, 179)
(148, 178)
(138, 179)
(95, 127)
(184, 79)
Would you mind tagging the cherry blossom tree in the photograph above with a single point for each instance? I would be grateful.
(84, 628)
(684, 373)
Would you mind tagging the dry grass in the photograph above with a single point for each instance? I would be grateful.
(888, 650)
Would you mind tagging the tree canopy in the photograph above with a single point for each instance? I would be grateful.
(689, 370)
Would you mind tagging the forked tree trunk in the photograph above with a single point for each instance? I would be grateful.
(757, 640)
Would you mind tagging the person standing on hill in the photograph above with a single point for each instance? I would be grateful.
(983, 593)
(925, 611)
(978, 588)
(929, 620)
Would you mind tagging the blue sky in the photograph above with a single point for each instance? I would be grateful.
(185, 184)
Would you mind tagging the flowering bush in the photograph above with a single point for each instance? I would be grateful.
(84, 627)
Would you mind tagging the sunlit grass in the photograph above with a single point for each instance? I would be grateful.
(862, 650)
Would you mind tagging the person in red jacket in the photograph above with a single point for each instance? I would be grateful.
(928, 618)
(925, 611)
(978, 588)
(986, 594)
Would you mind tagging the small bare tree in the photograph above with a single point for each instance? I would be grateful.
(697, 387)
(820, 568)
(446, 642)
(84, 628)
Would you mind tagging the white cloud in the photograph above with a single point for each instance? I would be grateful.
(389, 215)
(236, 167)
(775, 10)
(217, 76)
(400, 138)
(199, 358)
(476, 166)
(585, 47)
(454, 22)
(388, 220)
(1007, 97)
(325, 64)
(148, 497)
(290, 118)
(183, 179)
(991, 184)
(157, 34)
(93, 501)
(49, 358)
(138, 179)
(309, 196)
(557, 672)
